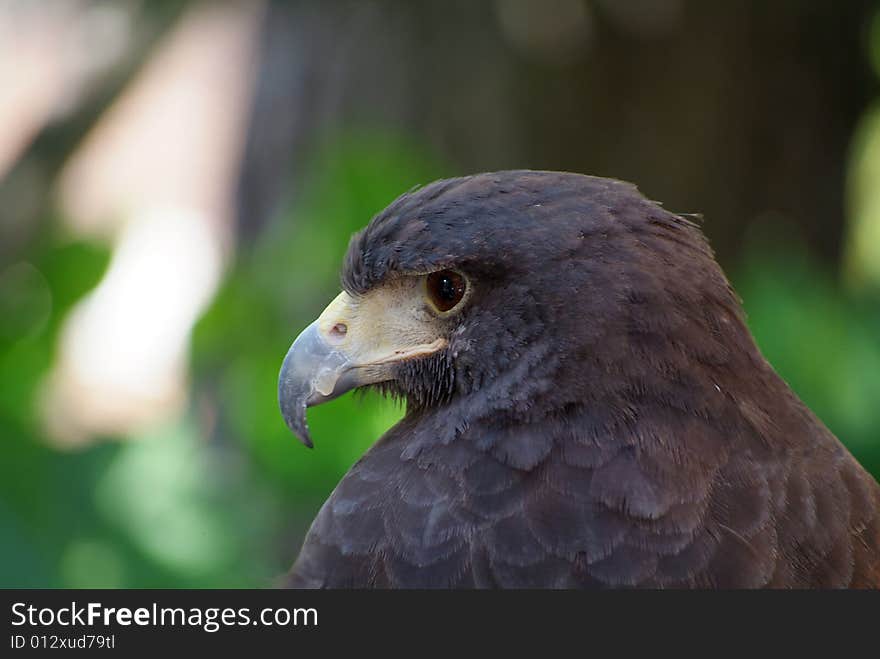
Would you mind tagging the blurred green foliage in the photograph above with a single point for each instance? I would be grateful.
(822, 339)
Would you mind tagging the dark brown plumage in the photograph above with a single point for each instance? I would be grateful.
(599, 416)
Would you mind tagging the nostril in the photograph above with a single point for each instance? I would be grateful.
(339, 330)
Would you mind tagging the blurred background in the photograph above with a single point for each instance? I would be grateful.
(178, 182)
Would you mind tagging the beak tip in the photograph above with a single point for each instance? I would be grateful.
(301, 430)
(296, 421)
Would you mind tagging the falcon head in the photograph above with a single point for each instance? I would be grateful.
(517, 295)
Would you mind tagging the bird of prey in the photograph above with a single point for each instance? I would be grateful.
(585, 407)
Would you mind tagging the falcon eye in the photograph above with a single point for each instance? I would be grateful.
(445, 289)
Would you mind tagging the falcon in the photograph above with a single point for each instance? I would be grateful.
(585, 407)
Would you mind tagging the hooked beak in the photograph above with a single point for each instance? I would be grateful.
(354, 342)
(312, 372)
